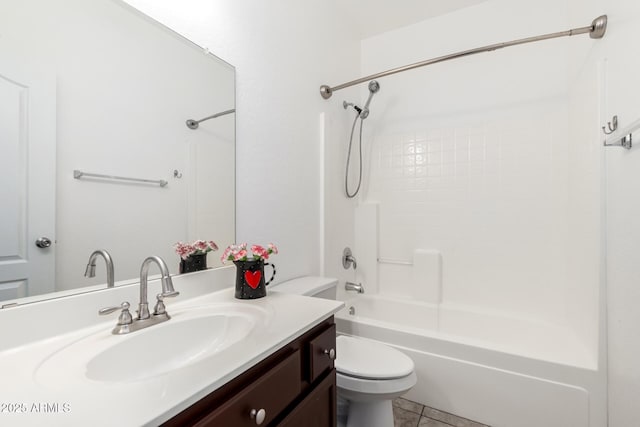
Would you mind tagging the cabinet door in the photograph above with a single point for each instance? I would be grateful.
(318, 409)
(271, 393)
(322, 353)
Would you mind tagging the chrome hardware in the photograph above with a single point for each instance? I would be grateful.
(348, 259)
(194, 124)
(77, 174)
(625, 141)
(346, 104)
(352, 310)
(90, 271)
(177, 174)
(125, 321)
(43, 242)
(348, 286)
(612, 125)
(167, 286)
(144, 319)
(596, 30)
(258, 415)
(331, 353)
(160, 307)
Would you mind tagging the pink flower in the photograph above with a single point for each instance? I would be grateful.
(240, 253)
(201, 245)
(184, 250)
(259, 252)
(225, 255)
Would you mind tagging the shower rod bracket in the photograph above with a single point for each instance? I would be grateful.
(596, 30)
(626, 142)
(621, 137)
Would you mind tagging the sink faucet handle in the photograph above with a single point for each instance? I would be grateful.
(160, 308)
(125, 316)
(108, 310)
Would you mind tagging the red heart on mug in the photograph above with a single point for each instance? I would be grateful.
(252, 278)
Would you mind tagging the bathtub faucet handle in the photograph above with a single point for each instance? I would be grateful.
(348, 286)
(348, 260)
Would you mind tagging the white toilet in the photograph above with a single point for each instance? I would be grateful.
(369, 374)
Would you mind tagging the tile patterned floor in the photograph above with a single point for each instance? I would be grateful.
(411, 414)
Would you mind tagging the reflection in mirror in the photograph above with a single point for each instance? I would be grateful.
(95, 87)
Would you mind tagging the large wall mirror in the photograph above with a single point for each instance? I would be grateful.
(95, 86)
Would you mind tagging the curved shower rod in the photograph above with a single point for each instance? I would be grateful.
(193, 124)
(596, 31)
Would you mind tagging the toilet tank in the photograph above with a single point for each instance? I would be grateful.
(315, 286)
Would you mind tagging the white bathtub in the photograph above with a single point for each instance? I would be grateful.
(504, 371)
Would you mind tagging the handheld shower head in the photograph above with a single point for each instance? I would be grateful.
(374, 87)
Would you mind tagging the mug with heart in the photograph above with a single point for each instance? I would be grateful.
(250, 280)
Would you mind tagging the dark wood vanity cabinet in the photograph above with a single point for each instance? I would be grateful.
(295, 386)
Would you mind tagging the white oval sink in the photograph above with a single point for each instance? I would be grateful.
(189, 336)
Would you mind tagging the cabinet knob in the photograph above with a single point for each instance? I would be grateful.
(258, 415)
(331, 353)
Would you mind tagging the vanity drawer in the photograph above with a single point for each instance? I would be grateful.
(272, 393)
(321, 350)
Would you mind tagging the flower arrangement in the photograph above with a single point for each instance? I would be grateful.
(240, 252)
(199, 247)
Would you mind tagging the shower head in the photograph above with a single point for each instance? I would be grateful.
(374, 87)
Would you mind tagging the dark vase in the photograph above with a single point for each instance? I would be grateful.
(250, 282)
(193, 263)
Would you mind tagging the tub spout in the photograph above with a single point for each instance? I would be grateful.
(354, 287)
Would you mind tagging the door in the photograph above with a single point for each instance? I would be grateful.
(27, 171)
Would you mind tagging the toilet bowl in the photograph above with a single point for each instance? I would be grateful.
(369, 374)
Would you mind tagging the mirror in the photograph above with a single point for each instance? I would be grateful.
(97, 87)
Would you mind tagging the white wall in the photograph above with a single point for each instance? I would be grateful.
(125, 87)
(621, 92)
(283, 51)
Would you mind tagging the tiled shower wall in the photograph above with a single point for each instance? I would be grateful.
(488, 191)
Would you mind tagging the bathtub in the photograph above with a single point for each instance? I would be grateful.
(504, 371)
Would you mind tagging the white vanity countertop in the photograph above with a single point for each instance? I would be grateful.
(64, 396)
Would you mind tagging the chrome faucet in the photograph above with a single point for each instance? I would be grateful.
(167, 288)
(354, 287)
(126, 323)
(90, 271)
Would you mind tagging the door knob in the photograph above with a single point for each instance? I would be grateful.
(43, 242)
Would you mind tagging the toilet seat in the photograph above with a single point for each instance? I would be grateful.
(367, 359)
(369, 371)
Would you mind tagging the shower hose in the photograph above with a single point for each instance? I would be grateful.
(346, 174)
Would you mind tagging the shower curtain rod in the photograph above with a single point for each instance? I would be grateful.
(193, 124)
(596, 31)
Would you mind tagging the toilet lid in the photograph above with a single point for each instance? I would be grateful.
(362, 358)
